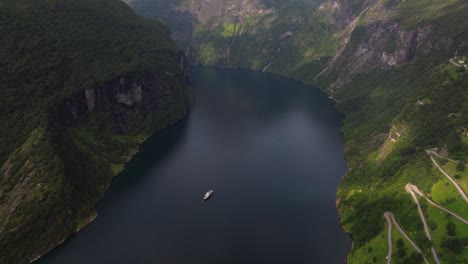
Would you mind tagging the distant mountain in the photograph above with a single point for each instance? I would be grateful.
(396, 69)
(82, 84)
(290, 37)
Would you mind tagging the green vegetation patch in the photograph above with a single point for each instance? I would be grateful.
(374, 252)
(440, 220)
(390, 44)
(445, 194)
(459, 173)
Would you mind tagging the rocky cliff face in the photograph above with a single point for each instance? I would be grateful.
(379, 37)
(127, 101)
(378, 46)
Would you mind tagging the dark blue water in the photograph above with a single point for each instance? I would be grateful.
(271, 150)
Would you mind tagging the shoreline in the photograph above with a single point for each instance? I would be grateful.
(83, 225)
(94, 213)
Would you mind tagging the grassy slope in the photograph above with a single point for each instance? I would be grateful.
(50, 178)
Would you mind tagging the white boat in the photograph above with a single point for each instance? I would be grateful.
(208, 195)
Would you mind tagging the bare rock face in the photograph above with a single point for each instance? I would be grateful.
(337, 11)
(405, 44)
(130, 97)
(90, 99)
(125, 101)
(374, 39)
(381, 46)
(213, 11)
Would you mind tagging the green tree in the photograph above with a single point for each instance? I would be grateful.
(400, 243)
(401, 252)
(451, 229)
(453, 244)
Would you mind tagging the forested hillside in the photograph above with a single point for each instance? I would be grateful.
(82, 84)
(403, 96)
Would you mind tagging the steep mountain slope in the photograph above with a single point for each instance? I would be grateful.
(83, 83)
(390, 66)
(290, 37)
(401, 96)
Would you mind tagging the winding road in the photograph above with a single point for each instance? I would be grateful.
(420, 193)
(390, 245)
(459, 189)
(413, 190)
(456, 64)
(391, 216)
(440, 156)
(409, 188)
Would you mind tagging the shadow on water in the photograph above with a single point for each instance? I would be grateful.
(154, 151)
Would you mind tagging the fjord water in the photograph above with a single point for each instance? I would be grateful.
(271, 150)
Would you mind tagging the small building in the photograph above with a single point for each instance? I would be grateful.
(461, 61)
